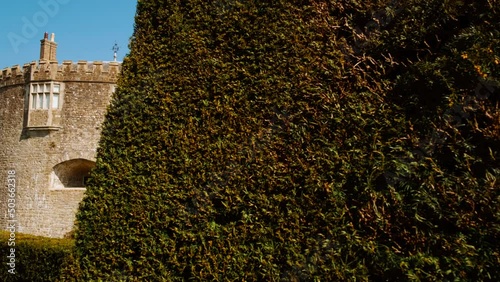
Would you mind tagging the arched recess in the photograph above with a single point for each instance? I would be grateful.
(71, 173)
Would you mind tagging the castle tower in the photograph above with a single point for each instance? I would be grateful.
(48, 48)
(50, 119)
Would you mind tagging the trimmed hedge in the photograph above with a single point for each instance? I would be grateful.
(36, 258)
(300, 141)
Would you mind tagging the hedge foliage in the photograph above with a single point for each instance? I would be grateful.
(300, 141)
(36, 258)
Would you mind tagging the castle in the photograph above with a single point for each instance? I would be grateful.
(50, 117)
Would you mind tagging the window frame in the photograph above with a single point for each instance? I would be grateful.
(42, 95)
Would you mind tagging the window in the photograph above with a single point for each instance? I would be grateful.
(55, 96)
(55, 101)
(73, 173)
(43, 95)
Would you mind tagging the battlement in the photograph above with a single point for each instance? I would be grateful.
(68, 71)
(96, 71)
(47, 68)
(14, 75)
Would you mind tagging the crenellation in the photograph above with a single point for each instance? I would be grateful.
(16, 70)
(14, 75)
(115, 67)
(6, 73)
(12, 71)
(82, 66)
(44, 70)
(68, 71)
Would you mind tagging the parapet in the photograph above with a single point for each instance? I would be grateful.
(68, 71)
(14, 75)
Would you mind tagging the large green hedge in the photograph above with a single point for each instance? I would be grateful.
(300, 141)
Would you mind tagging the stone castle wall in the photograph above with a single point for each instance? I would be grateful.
(51, 149)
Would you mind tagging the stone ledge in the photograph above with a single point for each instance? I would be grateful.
(68, 189)
(43, 128)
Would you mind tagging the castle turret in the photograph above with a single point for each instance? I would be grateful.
(48, 48)
(50, 124)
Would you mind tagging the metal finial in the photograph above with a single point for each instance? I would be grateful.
(115, 50)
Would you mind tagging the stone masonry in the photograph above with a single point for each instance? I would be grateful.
(50, 117)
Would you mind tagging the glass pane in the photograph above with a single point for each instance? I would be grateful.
(47, 88)
(55, 101)
(46, 105)
(39, 103)
(35, 88)
(33, 101)
(56, 88)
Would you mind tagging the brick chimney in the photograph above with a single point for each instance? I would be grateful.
(48, 48)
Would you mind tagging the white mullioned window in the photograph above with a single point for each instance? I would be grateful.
(56, 87)
(45, 95)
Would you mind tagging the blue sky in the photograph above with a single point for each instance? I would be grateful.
(84, 29)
